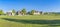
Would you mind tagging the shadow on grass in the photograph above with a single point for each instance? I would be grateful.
(50, 22)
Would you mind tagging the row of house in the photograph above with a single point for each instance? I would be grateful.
(20, 13)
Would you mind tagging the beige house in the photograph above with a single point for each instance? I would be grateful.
(36, 13)
(10, 13)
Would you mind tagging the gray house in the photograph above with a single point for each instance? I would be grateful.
(19, 13)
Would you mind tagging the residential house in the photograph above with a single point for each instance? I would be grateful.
(36, 13)
(10, 13)
(19, 13)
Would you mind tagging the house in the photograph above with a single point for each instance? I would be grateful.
(10, 13)
(19, 13)
(36, 13)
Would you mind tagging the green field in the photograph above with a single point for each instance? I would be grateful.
(30, 21)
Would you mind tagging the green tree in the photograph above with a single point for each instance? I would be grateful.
(1, 12)
(32, 12)
(13, 11)
(23, 11)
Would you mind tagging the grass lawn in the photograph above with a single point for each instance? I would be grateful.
(10, 22)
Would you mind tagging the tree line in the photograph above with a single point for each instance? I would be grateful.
(24, 12)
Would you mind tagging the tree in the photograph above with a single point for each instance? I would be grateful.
(1, 12)
(13, 11)
(32, 12)
(23, 11)
(46, 13)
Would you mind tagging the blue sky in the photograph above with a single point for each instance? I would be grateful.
(39, 5)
